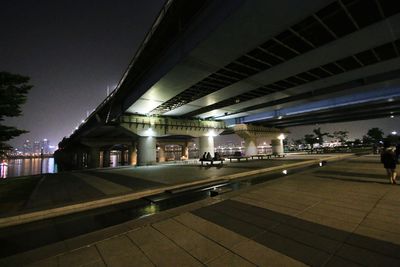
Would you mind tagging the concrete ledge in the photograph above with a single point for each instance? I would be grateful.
(50, 213)
(194, 187)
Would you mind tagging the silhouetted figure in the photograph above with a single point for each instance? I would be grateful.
(217, 156)
(397, 152)
(374, 149)
(209, 156)
(389, 160)
(204, 155)
(386, 144)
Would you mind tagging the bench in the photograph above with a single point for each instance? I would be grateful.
(315, 151)
(238, 158)
(261, 156)
(221, 161)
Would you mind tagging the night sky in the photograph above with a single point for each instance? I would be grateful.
(72, 50)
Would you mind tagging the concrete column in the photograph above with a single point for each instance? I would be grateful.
(75, 160)
(85, 159)
(161, 153)
(106, 158)
(122, 158)
(79, 160)
(146, 154)
(94, 161)
(185, 151)
(132, 155)
(206, 144)
(277, 146)
(250, 146)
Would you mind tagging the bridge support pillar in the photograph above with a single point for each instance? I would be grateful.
(106, 158)
(122, 159)
(161, 153)
(146, 154)
(132, 154)
(250, 146)
(251, 132)
(206, 144)
(185, 151)
(79, 160)
(277, 146)
(94, 160)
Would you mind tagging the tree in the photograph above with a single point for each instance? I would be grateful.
(13, 91)
(373, 136)
(357, 142)
(310, 139)
(341, 136)
(320, 135)
(392, 139)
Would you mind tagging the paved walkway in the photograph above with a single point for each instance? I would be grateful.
(343, 214)
(68, 188)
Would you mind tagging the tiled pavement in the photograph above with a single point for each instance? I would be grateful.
(56, 190)
(344, 214)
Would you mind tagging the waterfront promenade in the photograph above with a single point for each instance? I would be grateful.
(71, 188)
(342, 214)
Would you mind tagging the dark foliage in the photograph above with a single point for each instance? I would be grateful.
(373, 136)
(13, 92)
(320, 135)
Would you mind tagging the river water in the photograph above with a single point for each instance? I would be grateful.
(23, 167)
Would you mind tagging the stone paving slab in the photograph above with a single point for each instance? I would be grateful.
(196, 244)
(106, 187)
(121, 251)
(161, 250)
(269, 224)
(56, 190)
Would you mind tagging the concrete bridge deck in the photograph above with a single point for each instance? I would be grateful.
(344, 214)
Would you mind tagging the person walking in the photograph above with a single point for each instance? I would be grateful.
(389, 160)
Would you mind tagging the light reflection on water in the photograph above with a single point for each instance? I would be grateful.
(23, 167)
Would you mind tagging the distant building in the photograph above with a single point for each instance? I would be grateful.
(36, 147)
(45, 144)
(27, 147)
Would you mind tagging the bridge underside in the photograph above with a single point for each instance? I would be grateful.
(239, 67)
(364, 111)
(267, 63)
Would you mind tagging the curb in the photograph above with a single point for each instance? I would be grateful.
(51, 213)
